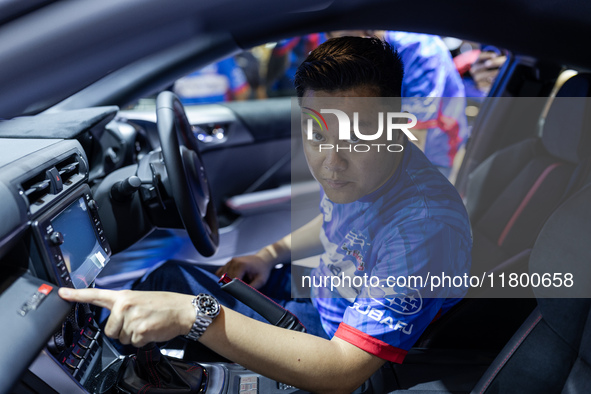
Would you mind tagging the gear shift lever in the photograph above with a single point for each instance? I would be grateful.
(151, 372)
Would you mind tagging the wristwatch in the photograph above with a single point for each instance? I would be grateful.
(207, 308)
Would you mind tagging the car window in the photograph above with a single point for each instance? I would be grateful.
(267, 70)
(435, 67)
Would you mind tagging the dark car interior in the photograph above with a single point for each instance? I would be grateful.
(96, 192)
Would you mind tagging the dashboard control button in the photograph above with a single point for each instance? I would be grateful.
(93, 205)
(55, 180)
(79, 351)
(56, 238)
(85, 342)
(72, 361)
(63, 270)
(90, 332)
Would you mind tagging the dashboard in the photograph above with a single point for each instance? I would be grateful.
(56, 170)
(51, 237)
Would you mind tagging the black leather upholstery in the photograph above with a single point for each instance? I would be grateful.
(514, 191)
(551, 353)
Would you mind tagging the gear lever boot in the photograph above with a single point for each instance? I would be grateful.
(151, 372)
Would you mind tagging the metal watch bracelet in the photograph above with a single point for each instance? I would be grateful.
(199, 326)
(206, 309)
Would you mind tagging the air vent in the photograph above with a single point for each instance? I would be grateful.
(51, 181)
(67, 169)
(36, 188)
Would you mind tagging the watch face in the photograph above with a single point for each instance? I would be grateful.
(208, 305)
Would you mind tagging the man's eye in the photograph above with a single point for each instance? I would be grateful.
(317, 136)
(354, 139)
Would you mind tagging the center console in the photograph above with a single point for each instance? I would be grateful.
(69, 249)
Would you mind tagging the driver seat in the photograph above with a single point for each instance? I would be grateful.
(551, 352)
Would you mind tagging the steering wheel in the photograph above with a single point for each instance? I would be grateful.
(186, 174)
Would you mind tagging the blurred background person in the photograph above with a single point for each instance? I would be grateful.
(251, 66)
(217, 82)
(284, 60)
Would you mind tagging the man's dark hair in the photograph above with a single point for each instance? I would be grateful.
(344, 63)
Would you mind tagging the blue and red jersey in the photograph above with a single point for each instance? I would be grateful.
(413, 225)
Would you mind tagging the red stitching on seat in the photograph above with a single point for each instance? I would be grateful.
(526, 201)
(511, 353)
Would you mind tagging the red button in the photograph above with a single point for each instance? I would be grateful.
(45, 289)
(85, 342)
(73, 361)
(78, 351)
(90, 332)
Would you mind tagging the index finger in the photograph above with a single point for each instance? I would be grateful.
(98, 297)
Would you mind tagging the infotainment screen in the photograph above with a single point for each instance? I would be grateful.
(83, 254)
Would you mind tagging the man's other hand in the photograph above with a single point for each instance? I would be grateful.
(253, 269)
(139, 317)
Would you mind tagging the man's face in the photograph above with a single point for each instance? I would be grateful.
(345, 175)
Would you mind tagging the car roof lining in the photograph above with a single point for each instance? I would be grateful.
(151, 74)
(14, 9)
(322, 19)
(36, 58)
(530, 28)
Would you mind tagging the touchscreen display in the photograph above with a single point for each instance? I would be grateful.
(83, 254)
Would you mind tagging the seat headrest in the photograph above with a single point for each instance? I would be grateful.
(567, 127)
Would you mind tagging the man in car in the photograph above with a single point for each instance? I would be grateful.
(388, 214)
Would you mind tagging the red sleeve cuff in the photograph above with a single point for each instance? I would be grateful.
(370, 344)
